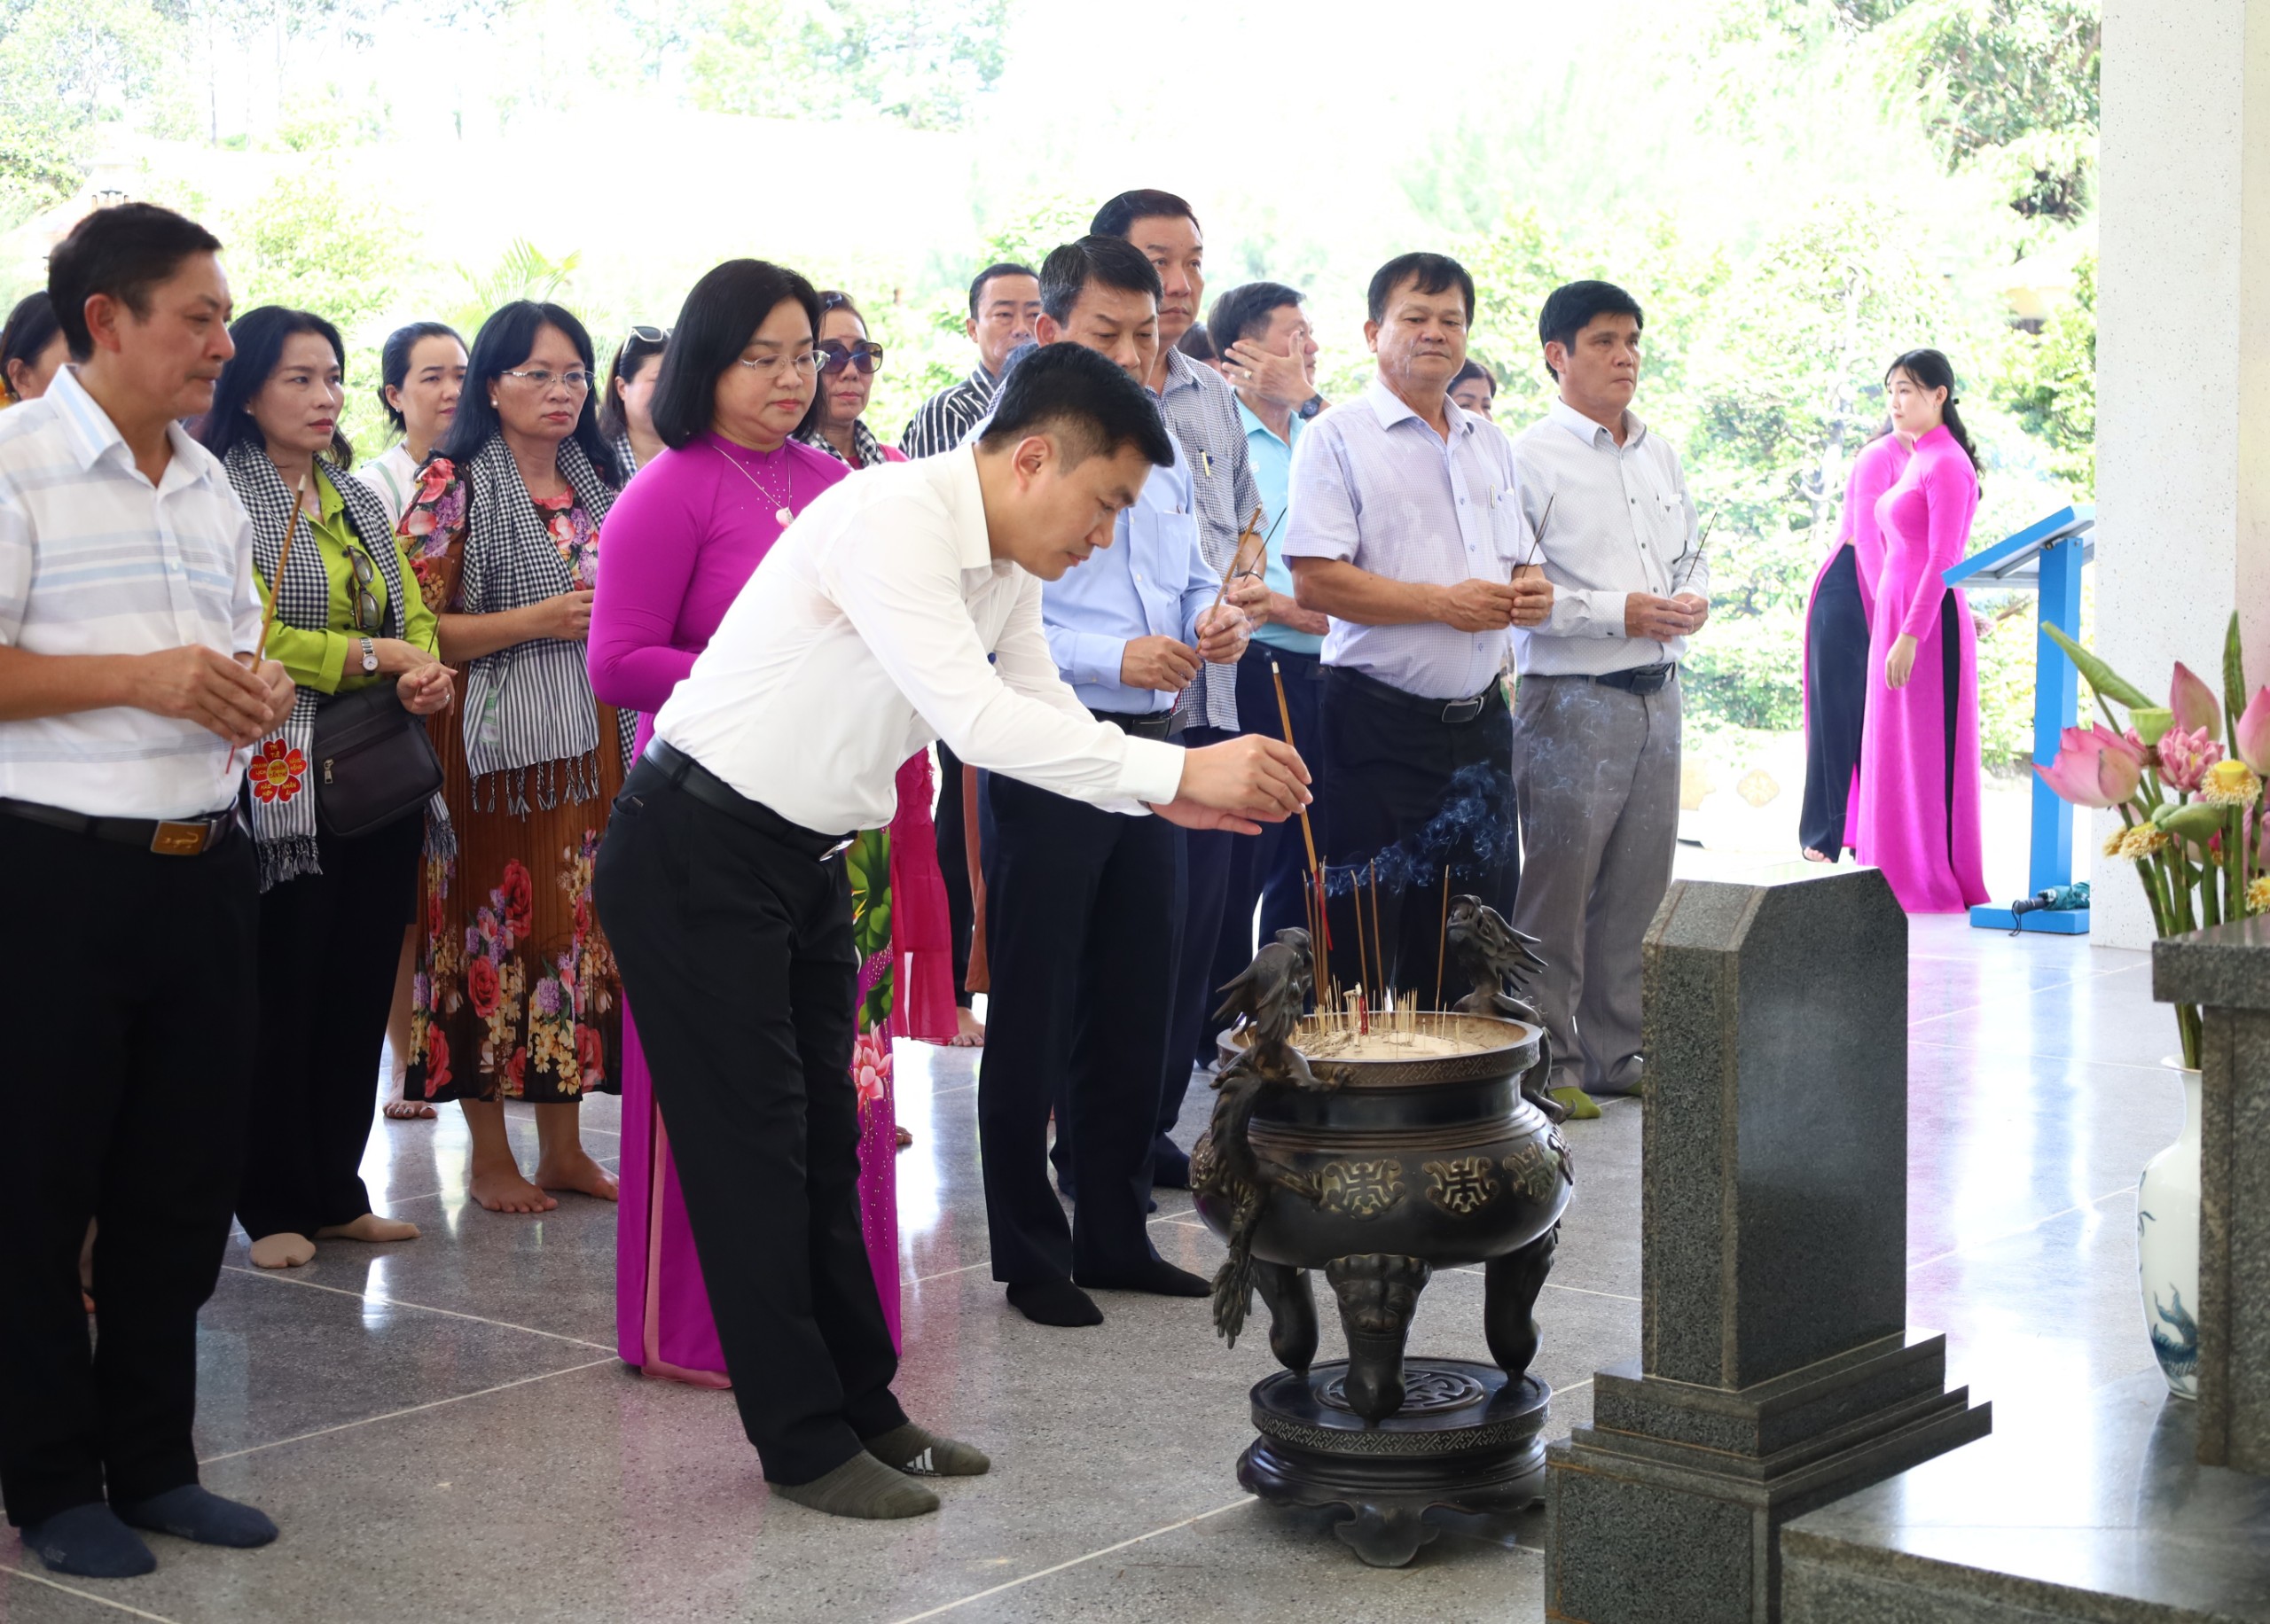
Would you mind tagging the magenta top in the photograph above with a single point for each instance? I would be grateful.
(1876, 469)
(1926, 521)
(681, 541)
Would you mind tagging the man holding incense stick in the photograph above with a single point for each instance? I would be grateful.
(1406, 529)
(132, 691)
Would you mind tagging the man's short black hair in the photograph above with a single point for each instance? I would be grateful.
(1242, 314)
(1574, 306)
(124, 252)
(1005, 268)
(1111, 261)
(1197, 343)
(1434, 273)
(1087, 402)
(1116, 218)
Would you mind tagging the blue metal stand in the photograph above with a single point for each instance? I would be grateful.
(2048, 556)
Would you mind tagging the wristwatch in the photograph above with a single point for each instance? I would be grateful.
(370, 657)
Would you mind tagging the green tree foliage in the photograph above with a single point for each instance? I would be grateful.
(921, 63)
(2047, 380)
(65, 67)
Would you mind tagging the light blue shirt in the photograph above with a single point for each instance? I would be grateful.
(1151, 582)
(1374, 486)
(1272, 478)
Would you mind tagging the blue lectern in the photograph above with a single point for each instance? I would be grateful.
(2046, 556)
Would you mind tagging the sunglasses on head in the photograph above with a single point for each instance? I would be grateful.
(644, 334)
(836, 355)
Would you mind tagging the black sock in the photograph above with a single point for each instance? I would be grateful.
(1156, 1276)
(90, 1542)
(1054, 1302)
(191, 1513)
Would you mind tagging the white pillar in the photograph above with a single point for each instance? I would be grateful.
(2183, 356)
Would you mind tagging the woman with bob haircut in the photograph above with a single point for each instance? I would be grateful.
(346, 614)
(848, 361)
(516, 994)
(738, 380)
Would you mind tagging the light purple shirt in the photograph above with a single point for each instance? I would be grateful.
(1374, 486)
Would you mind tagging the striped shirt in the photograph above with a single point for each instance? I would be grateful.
(941, 422)
(94, 560)
(1374, 486)
(1201, 410)
(1620, 522)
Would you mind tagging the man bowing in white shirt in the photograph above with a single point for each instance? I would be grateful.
(901, 607)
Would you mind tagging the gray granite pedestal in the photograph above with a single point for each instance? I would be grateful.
(1777, 1372)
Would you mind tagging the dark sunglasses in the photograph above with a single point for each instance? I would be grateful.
(368, 617)
(835, 355)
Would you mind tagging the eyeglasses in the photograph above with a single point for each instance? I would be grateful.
(805, 364)
(867, 357)
(644, 334)
(542, 378)
(368, 616)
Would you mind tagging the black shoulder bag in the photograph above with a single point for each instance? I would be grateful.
(374, 763)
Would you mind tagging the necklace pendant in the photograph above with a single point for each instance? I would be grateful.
(784, 516)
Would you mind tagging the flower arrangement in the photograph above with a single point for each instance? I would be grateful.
(2190, 803)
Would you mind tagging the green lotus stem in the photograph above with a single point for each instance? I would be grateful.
(2145, 872)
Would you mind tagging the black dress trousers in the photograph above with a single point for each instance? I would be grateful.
(1207, 854)
(130, 979)
(328, 945)
(1410, 796)
(953, 863)
(1836, 703)
(1082, 913)
(736, 950)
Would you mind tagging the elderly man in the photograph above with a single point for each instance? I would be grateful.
(1596, 742)
(1406, 529)
(1203, 415)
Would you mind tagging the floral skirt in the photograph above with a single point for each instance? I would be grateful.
(517, 995)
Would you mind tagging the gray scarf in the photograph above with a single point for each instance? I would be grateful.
(283, 817)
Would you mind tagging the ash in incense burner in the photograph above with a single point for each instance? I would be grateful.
(1378, 1147)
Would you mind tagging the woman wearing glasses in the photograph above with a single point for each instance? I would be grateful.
(346, 613)
(626, 411)
(516, 995)
(849, 362)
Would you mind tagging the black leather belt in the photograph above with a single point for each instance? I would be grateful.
(168, 837)
(1453, 711)
(1640, 679)
(711, 791)
(1151, 724)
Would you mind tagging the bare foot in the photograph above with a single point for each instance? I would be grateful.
(969, 1032)
(370, 1227)
(575, 1170)
(501, 1189)
(1814, 856)
(905, 1136)
(86, 1302)
(409, 1110)
(281, 1251)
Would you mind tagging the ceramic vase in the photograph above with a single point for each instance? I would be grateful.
(2167, 1247)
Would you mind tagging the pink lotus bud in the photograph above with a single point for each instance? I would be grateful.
(2193, 702)
(2185, 757)
(2093, 768)
(2254, 732)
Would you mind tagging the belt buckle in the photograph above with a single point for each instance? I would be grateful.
(180, 840)
(836, 850)
(1463, 710)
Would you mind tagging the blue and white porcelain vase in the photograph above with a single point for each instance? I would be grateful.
(2167, 1247)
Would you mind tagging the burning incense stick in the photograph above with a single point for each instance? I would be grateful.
(1246, 558)
(1308, 833)
(1443, 942)
(268, 615)
(1379, 941)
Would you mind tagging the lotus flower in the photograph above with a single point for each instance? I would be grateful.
(2147, 722)
(2095, 767)
(2253, 732)
(2185, 757)
(2193, 702)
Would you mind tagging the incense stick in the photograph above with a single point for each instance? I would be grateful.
(276, 590)
(1308, 833)
(1379, 941)
(1230, 570)
(1442, 942)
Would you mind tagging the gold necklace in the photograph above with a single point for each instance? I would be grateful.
(781, 510)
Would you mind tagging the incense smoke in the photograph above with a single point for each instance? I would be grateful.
(1468, 836)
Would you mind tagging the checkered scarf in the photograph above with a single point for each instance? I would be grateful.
(863, 441)
(529, 706)
(284, 822)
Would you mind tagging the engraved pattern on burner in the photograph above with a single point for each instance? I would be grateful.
(1510, 1433)
(1463, 1185)
(1533, 1172)
(1425, 1393)
(1361, 1189)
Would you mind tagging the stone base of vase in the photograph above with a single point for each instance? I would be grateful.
(1467, 1441)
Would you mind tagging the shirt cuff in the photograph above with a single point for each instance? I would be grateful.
(1095, 660)
(1152, 771)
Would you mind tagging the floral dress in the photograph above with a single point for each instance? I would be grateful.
(516, 995)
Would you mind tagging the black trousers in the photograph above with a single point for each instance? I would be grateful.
(1418, 798)
(1207, 854)
(1272, 867)
(328, 945)
(1836, 700)
(1083, 916)
(736, 951)
(953, 863)
(129, 991)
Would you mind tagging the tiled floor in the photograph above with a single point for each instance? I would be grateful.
(443, 1431)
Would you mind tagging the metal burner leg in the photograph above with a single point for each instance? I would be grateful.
(1291, 1297)
(1511, 1286)
(1377, 1293)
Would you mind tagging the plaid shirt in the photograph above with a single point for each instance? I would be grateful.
(943, 421)
(1202, 410)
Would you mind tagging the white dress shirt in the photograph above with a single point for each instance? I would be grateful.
(94, 559)
(392, 474)
(1619, 521)
(879, 621)
(1374, 486)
